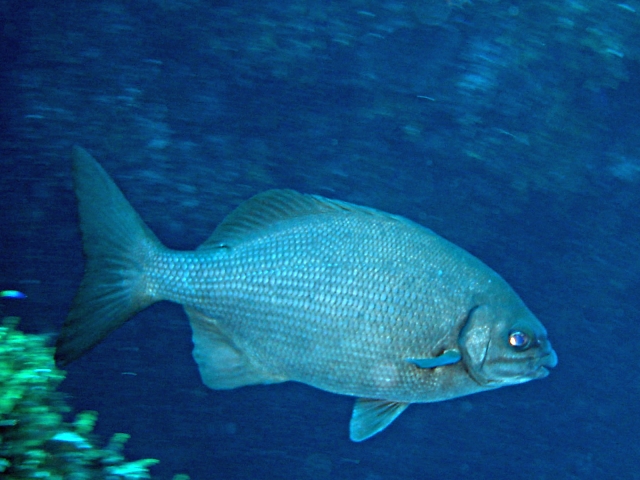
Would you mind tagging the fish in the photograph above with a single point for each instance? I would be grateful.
(298, 287)
(12, 294)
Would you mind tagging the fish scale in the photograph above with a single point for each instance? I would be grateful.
(320, 305)
(298, 287)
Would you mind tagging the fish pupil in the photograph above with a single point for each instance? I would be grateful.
(519, 340)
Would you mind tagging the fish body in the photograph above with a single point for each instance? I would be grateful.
(294, 287)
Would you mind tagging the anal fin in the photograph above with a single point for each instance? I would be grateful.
(222, 364)
(371, 416)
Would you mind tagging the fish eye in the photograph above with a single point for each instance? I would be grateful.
(519, 340)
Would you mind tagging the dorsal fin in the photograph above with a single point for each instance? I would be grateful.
(270, 207)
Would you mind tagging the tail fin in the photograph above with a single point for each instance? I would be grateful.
(117, 245)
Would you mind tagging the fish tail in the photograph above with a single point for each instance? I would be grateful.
(118, 247)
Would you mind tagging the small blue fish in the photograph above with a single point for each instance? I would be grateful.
(12, 294)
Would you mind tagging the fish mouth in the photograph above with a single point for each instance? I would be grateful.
(545, 363)
(550, 360)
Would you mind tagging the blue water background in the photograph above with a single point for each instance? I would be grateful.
(510, 128)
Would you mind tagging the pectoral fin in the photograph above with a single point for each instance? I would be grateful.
(447, 357)
(372, 416)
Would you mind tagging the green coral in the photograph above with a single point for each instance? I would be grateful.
(35, 441)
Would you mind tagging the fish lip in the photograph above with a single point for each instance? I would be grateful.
(540, 372)
(550, 360)
(546, 363)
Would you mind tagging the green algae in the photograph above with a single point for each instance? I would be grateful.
(35, 441)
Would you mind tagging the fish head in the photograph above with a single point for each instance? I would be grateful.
(503, 343)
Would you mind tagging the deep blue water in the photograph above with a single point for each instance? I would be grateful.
(511, 129)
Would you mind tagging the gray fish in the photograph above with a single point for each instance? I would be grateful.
(294, 287)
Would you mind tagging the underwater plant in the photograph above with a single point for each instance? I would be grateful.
(35, 441)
